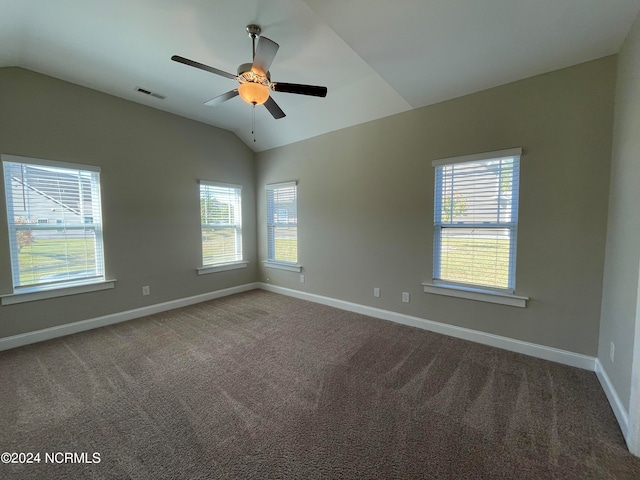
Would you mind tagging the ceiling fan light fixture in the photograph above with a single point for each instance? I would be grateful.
(254, 78)
(253, 93)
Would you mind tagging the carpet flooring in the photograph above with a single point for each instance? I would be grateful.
(260, 386)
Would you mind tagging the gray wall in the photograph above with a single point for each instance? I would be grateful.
(151, 162)
(620, 292)
(365, 200)
(366, 204)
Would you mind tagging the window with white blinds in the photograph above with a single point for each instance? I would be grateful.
(476, 220)
(55, 223)
(221, 219)
(282, 222)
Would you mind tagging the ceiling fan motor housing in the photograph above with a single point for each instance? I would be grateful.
(245, 68)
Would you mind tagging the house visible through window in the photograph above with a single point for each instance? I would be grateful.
(282, 222)
(476, 220)
(221, 219)
(55, 223)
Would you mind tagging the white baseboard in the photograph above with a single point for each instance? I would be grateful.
(614, 400)
(518, 346)
(83, 325)
(534, 350)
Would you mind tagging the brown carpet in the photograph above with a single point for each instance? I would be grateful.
(259, 385)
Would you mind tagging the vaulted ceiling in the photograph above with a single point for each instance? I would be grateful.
(376, 57)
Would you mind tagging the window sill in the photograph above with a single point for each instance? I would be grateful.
(223, 267)
(291, 267)
(61, 291)
(479, 295)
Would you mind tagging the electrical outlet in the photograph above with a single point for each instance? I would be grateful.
(405, 297)
(612, 351)
(376, 292)
(145, 290)
(301, 278)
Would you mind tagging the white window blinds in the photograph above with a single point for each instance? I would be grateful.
(55, 223)
(282, 222)
(221, 219)
(476, 219)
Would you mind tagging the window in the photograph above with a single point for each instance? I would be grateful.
(55, 226)
(476, 220)
(282, 223)
(221, 219)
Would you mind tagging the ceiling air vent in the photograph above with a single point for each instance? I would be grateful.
(149, 92)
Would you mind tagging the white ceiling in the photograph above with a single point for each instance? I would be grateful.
(377, 57)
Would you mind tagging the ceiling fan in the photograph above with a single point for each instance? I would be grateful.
(255, 78)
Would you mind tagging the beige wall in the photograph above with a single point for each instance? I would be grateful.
(151, 162)
(620, 292)
(365, 199)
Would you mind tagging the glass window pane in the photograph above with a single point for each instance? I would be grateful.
(476, 192)
(55, 230)
(475, 222)
(282, 221)
(46, 256)
(221, 218)
(286, 244)
(475, 256)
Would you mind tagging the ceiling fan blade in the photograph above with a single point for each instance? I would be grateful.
(202, 66)
(265, 53)
(274, 109)
(221, 98)
(312, 90)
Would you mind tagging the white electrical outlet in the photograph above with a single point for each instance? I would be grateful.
(145, 290)
(405, 297)
(612, 351)
(376, 292)
(301, 278)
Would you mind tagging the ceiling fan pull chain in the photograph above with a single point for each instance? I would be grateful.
(253, 123)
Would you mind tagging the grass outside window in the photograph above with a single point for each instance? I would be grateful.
(219, 245)
(286, 250)
(475, 261)
(52, 259)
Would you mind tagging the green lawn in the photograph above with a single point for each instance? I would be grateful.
(479, 261)
(218, 245)
(44, 257)
(286, 250)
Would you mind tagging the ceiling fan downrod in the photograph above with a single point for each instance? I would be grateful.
(254, 32)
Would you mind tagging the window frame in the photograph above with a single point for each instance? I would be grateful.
(239, 261)
(272, 261)
(439, 226)
(36, 291)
